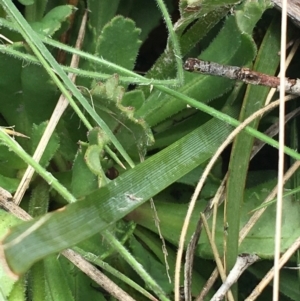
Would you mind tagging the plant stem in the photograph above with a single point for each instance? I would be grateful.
(227, 119)
(105, 266)
(135, 265)
(48, 177)
(173, 39)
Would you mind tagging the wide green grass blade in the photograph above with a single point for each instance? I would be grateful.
(57, 231)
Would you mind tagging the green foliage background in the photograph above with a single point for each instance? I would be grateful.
(130, 135)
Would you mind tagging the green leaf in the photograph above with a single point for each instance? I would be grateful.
(35, 12)
(151, 265)
(92, 158)
(101, 13)
(144, 13)
(240, 51)
(70, 131)
(26, 2)
(101, 246)
(250, 10)
(27, 95)
(260, 240)
(165, 66)
(83, 180)
(94, 154)
(266, 61)
(103, 207)
(118, 43)
(18, 291)
(154, 244)
(39, 93)
(50, 64)
(135, 99)
(53, 20)
(212, 182)
(7, 220)
(39, 200)
(56, 280)
(202, 8)
(289, 284)
(9, 184)
(36, 282)
(80, 285)
(9, 161)
(11, 94)
(132, 132)
(52, 146)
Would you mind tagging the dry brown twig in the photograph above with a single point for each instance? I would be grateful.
(60, 108)
(216, 257)
(242, 263)
(246, 75)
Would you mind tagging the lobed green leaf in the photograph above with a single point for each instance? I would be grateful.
(53, 20)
